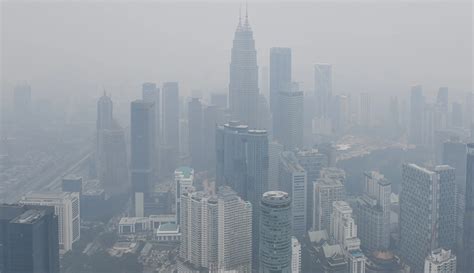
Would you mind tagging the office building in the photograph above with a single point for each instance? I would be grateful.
(323, 89)
(288, 120)
(312, 162)
(104, 119)
(293, 181)
(183, 178)
(274, 152)
(417, 105)
(468, 233)
(372, 212)
(365, 111)
(212, 115)
(344, 233)
(67, 208)
(440, 261)
(29, 239)
(113, 172)
(427, 212)
(243, 85)
(280, 74)
(340, 115)
(326, 191)
(295, 255)
(143, 153)
(195, 133)
(170, 126)
(275, 233)
(333, 173)
(151, 93)
(216, 231)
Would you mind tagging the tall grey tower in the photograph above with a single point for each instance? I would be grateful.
(143, 152)
(104, 118)
(275, 233)
(243, 85)
(195, 120)
(280, 75)
(151, 93)
(170, 126)
(323, 88)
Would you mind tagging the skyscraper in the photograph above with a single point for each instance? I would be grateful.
(216, 231)
(326, 191)
(293, 181)
(372, 212)
(275, 233)
(143, 153)
(468, 238)
(426, 208)
(288, 118)
(323, 88)
(183, 178)
(417, 105)
(312, 162)
(365, 111)
(274, 152)
(243, 85)
(242, 163)
(151, 93)
(29, 239)
(280, 77)
(195, 120)
(67, 208)
(170, 125)
(113, 172)
(104, 118)
(212, 115)
(295, 255)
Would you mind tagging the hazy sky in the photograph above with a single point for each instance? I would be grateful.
(378, 47)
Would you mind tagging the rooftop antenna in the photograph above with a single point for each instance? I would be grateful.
(246, 12)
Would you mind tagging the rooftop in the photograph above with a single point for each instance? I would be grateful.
(168, 228)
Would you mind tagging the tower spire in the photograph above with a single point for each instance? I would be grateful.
(246, 13)
(240, 15)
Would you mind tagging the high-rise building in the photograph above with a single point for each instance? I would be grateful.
(340, 114)
(29, 239)
(275, 233)
(323, 88)
(293, 181)
(243, 85)
(183, 178)
(105, 119)
(170, 125)
(113, 172)
(143, 153)
(440, 261)
(212, 115)
(344, 233)
(417, 105)
(274, 152)
(280, 81)
(295, 255)
(326, 191)
(333, 173)
(468, 236)
(195, 133)
(67, 208)
(372, 212)
(216, 231)
(242, 163)
(312, 162)
(427, 205)
(151, 93)
(365, 110)
(288, 119)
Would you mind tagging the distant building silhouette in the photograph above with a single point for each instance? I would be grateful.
(195, 134)
(468, 238)
(243, 85)
(170, 126)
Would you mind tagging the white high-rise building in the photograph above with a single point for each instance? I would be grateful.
(67, 208)
(326, 191)
(183, 178)
(295, 255)
(216, 231)
(293, 181)
(440, 261)
(344, 232)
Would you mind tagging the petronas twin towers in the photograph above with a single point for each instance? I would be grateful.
(243, 85)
